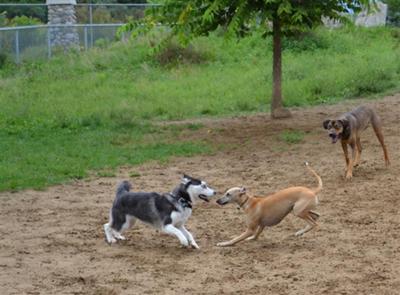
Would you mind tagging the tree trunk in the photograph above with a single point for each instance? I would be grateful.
(277, 109)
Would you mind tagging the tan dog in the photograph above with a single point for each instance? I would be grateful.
(270, 210)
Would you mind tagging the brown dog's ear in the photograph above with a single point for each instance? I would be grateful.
(346, 128)
(325, 124)
(344, 122)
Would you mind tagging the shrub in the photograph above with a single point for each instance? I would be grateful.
(305, 42)
(173, 53)
(3, 19)
(393, 12)
(24, 21)
(3, 60)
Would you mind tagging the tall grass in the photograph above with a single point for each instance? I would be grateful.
(70, 109)
(327, 66)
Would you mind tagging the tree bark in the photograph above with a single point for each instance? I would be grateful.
(277, 109)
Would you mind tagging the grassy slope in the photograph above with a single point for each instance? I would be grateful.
(61, 118)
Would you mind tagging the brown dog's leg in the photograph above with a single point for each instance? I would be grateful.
(349, 172)
(358, 153)
(346, 153)
(376, 124)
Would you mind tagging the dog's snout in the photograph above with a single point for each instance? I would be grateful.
(222, 201)
(332, 135)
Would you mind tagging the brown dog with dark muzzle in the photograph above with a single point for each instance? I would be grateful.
(270, 210)
(348, 128)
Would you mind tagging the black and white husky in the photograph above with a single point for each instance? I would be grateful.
(167, 212)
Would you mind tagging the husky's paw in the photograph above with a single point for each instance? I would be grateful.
(185, 243)
(111, 241)
(119, 237)
(194, 245)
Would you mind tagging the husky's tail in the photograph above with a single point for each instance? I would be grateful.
(319, 188)
(123, 188)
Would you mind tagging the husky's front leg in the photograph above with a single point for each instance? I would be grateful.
(172, 230)
(189, 237)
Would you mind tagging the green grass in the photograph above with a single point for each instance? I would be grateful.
(93, 111)
(41, 157)
(292, 136)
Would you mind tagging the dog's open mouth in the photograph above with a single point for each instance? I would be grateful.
(204, 198)
(334, 137)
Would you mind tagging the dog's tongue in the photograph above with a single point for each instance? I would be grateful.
(334, 140)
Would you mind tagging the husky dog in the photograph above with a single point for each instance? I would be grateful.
(167, 212)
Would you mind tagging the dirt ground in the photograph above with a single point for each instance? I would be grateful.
(53, 243)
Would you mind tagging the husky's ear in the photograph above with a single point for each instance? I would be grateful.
(242, 190)
(325, 124)
(185, 179)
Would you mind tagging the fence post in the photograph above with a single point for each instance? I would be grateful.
(17, 57)
(91, 23)
(48, 43)
(85, 36)
(90, 13)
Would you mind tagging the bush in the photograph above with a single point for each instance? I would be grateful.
(24, 21)
(393, 12)
(3, 19)
(305, 42)
(3, 60)
(173, 53)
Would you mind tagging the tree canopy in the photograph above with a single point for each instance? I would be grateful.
(190, 18)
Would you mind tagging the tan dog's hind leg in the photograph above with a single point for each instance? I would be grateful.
(314, 215)
(311, 224)
(303, 209)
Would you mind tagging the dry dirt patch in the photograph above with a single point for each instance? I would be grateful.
(52, 241)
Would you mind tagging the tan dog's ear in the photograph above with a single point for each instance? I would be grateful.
(242, 190)
(325, 124)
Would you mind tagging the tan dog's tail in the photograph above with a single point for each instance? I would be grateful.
(319, 188)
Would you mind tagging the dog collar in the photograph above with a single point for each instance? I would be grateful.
(245, 201)
(184, 202)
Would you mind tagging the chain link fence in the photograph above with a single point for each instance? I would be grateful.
(97, 25)
(99, 13)
(34, 42)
